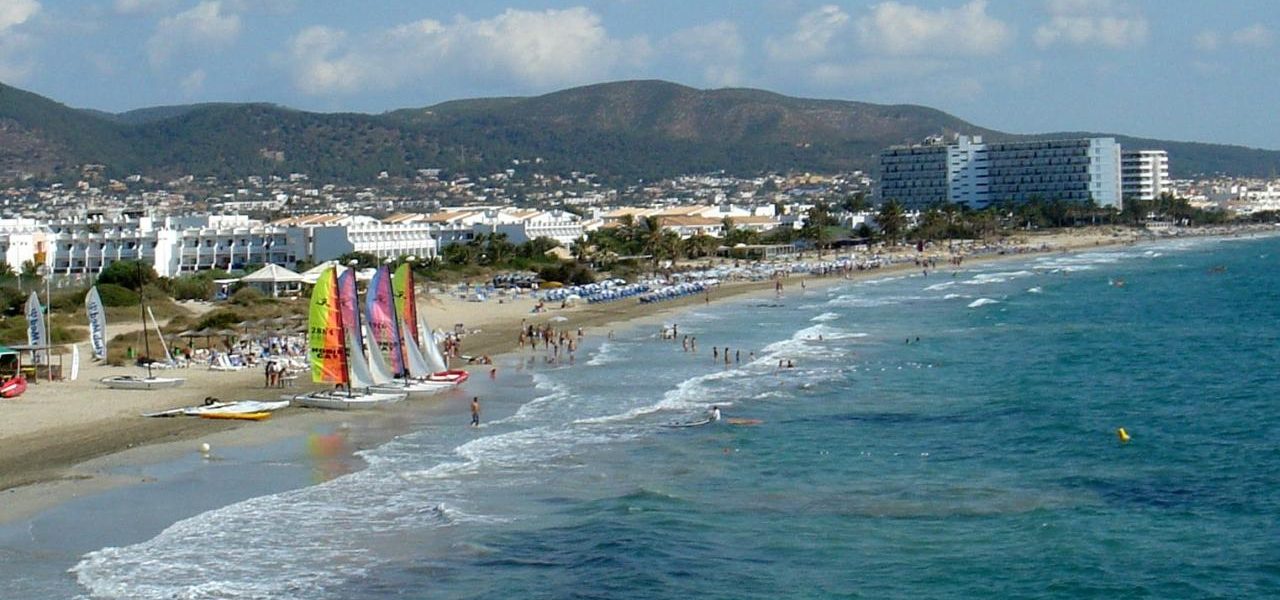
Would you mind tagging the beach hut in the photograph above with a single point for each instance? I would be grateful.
(274, 281)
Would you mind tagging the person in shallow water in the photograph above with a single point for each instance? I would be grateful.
(715, 413)
(475, 411)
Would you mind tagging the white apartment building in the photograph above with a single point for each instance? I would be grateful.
(326, 237)
(977, 174)
(524, 225)
(1144, 174)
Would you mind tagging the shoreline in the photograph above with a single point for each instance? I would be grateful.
(45, 467)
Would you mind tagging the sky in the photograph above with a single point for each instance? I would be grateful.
(1201, 70)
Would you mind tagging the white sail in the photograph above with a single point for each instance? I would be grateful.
(413, 356)
(168, 358)
(435, 359)
(361, 378)
(37, 335)
(75, 362)
(97, 323)
(377, 361)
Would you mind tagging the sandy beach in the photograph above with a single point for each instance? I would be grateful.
(53, 438)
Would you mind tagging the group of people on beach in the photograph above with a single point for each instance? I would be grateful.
(554, 341)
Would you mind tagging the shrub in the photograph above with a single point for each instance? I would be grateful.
(68, 301)
(568, 273)
(114, 295)
(247, 296)
(128, 274)
(191, 288)
(219, 319)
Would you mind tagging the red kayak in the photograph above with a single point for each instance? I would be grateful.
(454, 376)
(14, 387)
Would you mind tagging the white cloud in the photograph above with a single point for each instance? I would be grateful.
(1207, 40)
(902, 30)
(536, 48)
(15, 63)
(814, 36)
(1253, 36)
(1091, 23)
(17, 12)
(204, 26)
(193, 83)
(134, 7)
(718, 48)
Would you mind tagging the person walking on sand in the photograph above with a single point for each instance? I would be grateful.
(475, 411)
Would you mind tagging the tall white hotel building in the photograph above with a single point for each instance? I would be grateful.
(970, 172)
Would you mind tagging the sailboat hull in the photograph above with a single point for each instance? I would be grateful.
(452, 376)
(129, 382)
(413, 386)
(341, 401)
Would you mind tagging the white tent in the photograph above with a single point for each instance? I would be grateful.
(274, 280)
(310, 276)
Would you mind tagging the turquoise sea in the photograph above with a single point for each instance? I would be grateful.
(941, 436)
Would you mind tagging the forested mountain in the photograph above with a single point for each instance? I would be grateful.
(622, 131)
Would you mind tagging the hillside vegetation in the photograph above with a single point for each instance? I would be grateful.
(622, 131)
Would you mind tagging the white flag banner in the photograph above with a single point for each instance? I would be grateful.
(75, 362)
(97, 323)
(36, 334)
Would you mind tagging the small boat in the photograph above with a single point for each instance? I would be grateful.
(343, 401)
(13, 387)
(239, 407)
(150, 382)
(247, 416)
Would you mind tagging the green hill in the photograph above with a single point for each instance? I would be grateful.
(623, 130)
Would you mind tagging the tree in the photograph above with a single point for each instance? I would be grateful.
(364, 260)
(892, 221)
(581, 249)
(854, 203)
(817, 220)
(129, 274)
(651, 239)
(700, 245)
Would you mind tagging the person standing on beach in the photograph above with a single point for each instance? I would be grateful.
(475, 411)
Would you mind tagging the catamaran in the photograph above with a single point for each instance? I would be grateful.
(131, 382)
(386, 306)
(336, 354)
(424, 352)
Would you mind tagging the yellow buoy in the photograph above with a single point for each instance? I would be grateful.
(1123, 435)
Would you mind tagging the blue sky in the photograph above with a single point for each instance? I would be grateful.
(1177, 69)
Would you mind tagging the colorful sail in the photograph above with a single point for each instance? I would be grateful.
(406, 301)
(380, 310)
(97, 323)
(326, 343)
(350, 303)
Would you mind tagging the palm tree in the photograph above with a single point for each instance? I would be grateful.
(580, 249)
(815, 227)
(651, 237)
(892, 221)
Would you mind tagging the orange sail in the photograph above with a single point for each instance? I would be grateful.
(325, 344)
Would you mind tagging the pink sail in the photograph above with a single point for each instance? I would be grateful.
(380, 310)
(350, 305)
